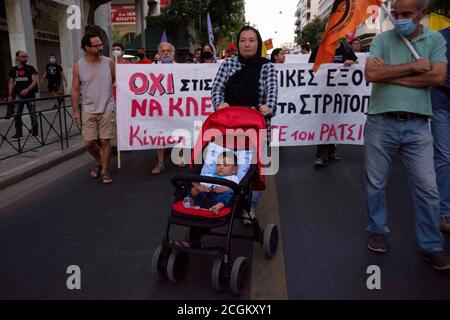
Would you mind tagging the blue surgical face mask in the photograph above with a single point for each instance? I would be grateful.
(167, 59)
(405, 27)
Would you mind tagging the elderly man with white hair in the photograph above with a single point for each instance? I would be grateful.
(167, 53)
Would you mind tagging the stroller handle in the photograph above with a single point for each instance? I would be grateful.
(179, 180)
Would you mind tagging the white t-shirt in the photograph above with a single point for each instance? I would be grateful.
(233, 178)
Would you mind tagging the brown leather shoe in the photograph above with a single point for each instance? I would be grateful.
(440, 260)
(335, 156)
(377, 243)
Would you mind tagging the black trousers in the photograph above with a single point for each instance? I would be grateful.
(324, 151)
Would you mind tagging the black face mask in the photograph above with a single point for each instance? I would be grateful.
(207, 55)
(140, 56)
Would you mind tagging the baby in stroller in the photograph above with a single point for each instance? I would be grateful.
(211, 196)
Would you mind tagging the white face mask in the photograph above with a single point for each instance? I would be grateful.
(52, 60)
(117, 53)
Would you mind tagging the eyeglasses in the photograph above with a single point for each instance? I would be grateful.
(97, 46)
(23, 56)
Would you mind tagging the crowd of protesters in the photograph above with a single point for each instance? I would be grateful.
(398, 121)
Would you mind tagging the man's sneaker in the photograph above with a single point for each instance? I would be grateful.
(319, 163)
(158, 168)
(377, 243)
(445, 224)
(248, 216)
(335, 156)
(16, 137)
(440, 260)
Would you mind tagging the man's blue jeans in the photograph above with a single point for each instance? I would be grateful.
(440, 127)
(18, 110)
(412, 139)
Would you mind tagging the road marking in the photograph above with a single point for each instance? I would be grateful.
(268, 275)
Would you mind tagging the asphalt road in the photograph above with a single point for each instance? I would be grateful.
(110, 232)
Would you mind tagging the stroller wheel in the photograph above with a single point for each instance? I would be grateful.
(159, 263)
(177, 266)
(217, 275)
(239, 275)
(270, 240)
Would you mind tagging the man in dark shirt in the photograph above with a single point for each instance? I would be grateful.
(343, 54)
(54, 74)
(23, 85)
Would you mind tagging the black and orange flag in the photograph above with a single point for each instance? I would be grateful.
(345, 17)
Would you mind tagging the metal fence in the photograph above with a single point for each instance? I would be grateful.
(56, 125)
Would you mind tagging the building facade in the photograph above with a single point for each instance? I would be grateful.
(324, 8)
(55, 27)
(306, 11)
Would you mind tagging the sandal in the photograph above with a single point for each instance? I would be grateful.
(158, 168)
(95, 173)
(106, 178)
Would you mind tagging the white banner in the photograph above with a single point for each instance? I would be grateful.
(161, 105)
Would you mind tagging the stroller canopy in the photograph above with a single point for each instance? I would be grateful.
(236, 128)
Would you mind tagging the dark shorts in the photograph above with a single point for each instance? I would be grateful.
(224, 197)
(53, 86)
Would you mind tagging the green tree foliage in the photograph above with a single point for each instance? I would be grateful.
(312, 32)
(226, 17)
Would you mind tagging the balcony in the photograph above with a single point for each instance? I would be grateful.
(306, 13)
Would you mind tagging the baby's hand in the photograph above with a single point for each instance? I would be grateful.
(203, 188)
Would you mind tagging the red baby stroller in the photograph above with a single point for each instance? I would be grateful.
(171, 258)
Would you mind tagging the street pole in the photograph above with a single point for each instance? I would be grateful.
(144, 23)
(200, 18)
(119, 157)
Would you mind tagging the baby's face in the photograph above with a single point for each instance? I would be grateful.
(226, 169)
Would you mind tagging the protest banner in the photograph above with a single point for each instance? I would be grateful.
(161, 106)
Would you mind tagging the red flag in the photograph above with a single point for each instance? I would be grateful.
(268, 43)
(345, 17)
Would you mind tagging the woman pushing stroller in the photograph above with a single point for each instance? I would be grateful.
(248, 80)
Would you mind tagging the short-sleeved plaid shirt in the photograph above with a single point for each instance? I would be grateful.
(268, 85)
